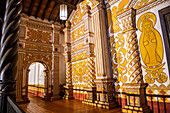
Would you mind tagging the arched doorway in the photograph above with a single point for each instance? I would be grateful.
(37, 79)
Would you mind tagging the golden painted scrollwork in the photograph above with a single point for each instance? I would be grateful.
(79, 71)
(142, 3)
(79, 56)
(151, 48)
(112, 20)
(123, 5)
(77, 34)
(38, 36)
(77, 47)
(81, 10)
(118, 54)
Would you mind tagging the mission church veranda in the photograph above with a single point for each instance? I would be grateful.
(108, 56)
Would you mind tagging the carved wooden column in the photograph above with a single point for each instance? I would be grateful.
(104, 78)
(19, 75)
(46, 74)
(67, 54)
(55, 67)
(21, 52)
(9, 52)
(135, 83)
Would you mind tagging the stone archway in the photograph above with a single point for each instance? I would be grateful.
(37, 83)
(26, 71)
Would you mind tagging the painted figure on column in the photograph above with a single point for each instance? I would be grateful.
(151, 48)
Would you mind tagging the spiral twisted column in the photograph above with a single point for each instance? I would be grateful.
(135, 84)
(9, 49)
(91, 71)
(129, 29)
(68, 73)
(134, 65)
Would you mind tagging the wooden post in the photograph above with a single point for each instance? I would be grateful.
(9, 52)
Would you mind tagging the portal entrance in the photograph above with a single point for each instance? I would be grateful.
(37, 80)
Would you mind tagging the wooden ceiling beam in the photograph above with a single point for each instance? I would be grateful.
(64, 2)
(38, 9)
(46, 7)
(74, 5)
(51, 14)
(31, 7)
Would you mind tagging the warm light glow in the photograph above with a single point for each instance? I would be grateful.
(63, 12)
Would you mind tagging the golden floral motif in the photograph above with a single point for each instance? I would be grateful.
(79, 71)
(142, 3)
(118, 53)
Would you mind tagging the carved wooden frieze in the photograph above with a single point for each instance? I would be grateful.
(38, 36)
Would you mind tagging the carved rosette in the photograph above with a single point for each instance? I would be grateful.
(129, 29)
(91, 71)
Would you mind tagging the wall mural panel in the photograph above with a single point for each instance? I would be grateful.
(152, 50)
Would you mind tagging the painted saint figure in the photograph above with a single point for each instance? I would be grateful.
(150, 41)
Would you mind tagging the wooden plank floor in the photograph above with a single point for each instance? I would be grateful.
(37, 105)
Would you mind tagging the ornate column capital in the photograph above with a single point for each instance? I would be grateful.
(101, 6)
(128, 19)
(68, 24)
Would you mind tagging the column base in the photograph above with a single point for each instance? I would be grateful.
(136, 98)
(19, 100)
(56, 97)
(25, 99)
(68, 93)
(67, 97)
(91, 96)
(136, 109)
(105, 105)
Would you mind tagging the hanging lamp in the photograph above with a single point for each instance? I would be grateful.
(63, 12)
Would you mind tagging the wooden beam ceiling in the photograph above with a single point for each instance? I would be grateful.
(31, 7)
(47, 9)
(38, 8)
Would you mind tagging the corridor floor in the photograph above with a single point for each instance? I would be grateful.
(37, 105)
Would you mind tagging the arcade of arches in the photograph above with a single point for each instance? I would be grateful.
(107, 54)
